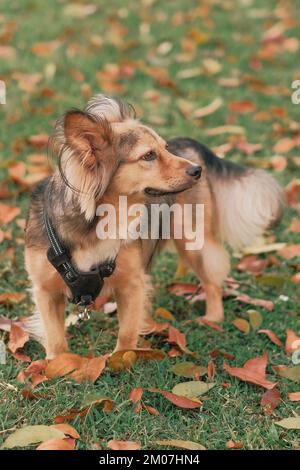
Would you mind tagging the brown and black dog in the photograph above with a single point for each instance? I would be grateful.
(104, 152)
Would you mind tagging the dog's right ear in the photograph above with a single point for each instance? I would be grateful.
(86, 136)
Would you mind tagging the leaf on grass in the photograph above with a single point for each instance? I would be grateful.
(135, 395)
(76, 367)
(192, 389)
(289, 423)
(178, 338)
(210, 324)
(8, 213)
(164, 313)
(31, 435)
(294, 396)
(290, 251)
(67, 429)
(272, 336)
(94, 400)
(255, 319)
(292, 373)
(270, 400)
(234, 445)
(252, 264)
(181, 402)
(57, 444)
(118, 362)
(267, 304)
(253, 371)
(12, 298)
(123, 445)
(209, 109)
(272, 280)
(151, 410)
(188, 369)
(292, 342)
(189, 445)
(183, 288)
(242, 325)
(17, 338)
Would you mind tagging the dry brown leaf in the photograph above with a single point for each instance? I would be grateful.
(242, 325)
(267, 304)
(17, 338)
(234, 445)
(272, 336)
(270, 400)
(67, 429)
(292, 342)
(57, 444)
(177, 400)
(253, 371)
(113, 444)
(294, 396)
(290, 251)
(8, 213)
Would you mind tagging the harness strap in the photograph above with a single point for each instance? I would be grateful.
(85, 286)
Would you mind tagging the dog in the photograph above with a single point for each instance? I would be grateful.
(103, 153)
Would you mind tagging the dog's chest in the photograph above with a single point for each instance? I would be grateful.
(86, 257)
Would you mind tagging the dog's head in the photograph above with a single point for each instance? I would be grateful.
(105, 149)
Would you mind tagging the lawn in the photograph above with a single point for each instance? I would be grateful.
(168, 59)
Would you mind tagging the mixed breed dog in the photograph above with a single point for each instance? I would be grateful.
(103, 153)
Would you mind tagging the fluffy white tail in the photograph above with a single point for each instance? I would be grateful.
(247, 205)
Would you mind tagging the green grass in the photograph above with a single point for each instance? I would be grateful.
(232, 32)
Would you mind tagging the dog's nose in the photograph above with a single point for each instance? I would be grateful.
(194, 171)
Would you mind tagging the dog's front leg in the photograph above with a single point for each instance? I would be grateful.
(51, 307)
(132, 289)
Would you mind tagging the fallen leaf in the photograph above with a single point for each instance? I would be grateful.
(294, 226)
(8, 213)
(294, 396)
(76, 10)
(189, 445)
(181, 402)
(292, 342)
(242, 325)
(116, 361)
(245, 106)
(226, 129)
(290, 251)
(270, 400)
(192, 389)
(252, 264)
(209, 109)
(292, 373)
(272, 336)
(164, 313)
(38, 140)
(289, 423)
(178, 338)
(57, 444)
(188, 369)
(151, 410)
(67, 429)
(135, 395)
(210, 324)
(76, 367)
(253, 371)
(183, 288)
(17, 338)
(12, 298)
(267, 304)
(255, 319)
(31, 435)
(94, 400)
(123, 445)
(284, 145)
(234, 445)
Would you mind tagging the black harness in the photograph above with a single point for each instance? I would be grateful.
(84, 286)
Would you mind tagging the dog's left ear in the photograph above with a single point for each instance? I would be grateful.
(87, 137)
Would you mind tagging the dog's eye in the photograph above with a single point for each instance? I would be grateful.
(149, 156)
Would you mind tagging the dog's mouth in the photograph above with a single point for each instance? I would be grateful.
(163, 192)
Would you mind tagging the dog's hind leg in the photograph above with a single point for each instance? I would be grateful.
(211, 265)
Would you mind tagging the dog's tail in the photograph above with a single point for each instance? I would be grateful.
(248, 200)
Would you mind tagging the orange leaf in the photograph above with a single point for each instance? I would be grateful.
(234, 445)
(267, 304)
(90, 369)
(292, 341)
(272, 336)
(242, 325)
(67, 429)
(38, 141)
(252, 264)
(17, 338)
(176, 337)
(11, 298)
(177, 400)
(8, 213)
(210, 324)
(245, 106)
(284, 145)
(290, 251)
(151, 410)
(294, 396)
(211, 369)
(57, 444)
(270, 400)
(123, 445)
(253, 371)
(135, 394)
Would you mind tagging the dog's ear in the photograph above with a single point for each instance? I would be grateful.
(86, 136)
